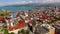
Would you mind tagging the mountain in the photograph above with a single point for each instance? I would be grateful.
(51, 5)
(35, 4)
(24, 5)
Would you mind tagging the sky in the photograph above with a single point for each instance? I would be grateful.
(12, 2)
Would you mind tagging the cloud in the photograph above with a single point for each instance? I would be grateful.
(13, 3)
(50, 1)
(28, 1)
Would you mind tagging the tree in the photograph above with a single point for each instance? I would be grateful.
(19, 32)
(27, 31)
(4, 21)
(11, 33)
(1, 14)
(5, 31)
(23, 31)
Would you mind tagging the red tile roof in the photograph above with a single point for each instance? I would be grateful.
(1, 18)
(8, 18)
(21, 22)
(58, 22)
(29, 22)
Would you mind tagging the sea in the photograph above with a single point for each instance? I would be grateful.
(12, 9)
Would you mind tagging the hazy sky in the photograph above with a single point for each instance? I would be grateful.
(12, 2)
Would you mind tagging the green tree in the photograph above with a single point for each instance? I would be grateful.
(5, 31)
(27, 31)
(23, 31)
(4, 21)
(19, 32)
(11, 33)
(1, 14)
